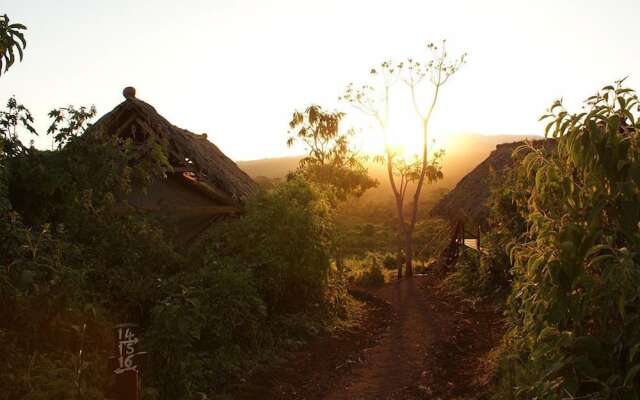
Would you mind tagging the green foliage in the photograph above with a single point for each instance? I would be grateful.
(206, 331)
(265, 282)
(11, 40)
(14, 117)
(575, 304)
(508, 210)
(290, 230)
(390, 261)
(478, 275)
(5, 205)
(510, 190)
(367, 271)
(74, 122)
(71, 253)
(284, 236)
(75, 258)
(331, 163)
(48, 318)
(372, 277)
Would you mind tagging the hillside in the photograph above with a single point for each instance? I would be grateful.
(468, 151)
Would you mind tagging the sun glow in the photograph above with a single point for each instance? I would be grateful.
(404, 135)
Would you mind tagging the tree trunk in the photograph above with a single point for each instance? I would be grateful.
(408, 250)
(399, 260)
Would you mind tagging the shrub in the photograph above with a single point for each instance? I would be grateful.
(575, 300)
(47, 318)
(372, 277)
(71, 253)
(390, 261)
(284, 238)
(206, 331)
(76, 259)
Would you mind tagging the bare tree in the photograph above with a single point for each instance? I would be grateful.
(374, 100)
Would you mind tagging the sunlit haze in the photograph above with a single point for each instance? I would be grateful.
(237, 69)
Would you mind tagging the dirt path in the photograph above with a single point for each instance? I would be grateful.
(416, 341)
(395, 362)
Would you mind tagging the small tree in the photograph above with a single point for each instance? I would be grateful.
(374, 100)
(14, 117)
(69, 122)
(331, 162)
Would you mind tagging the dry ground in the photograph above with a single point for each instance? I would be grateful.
(416, 340)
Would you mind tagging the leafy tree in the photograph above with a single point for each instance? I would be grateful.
(575, 303)
(69, 122)
(331, 162)
(12, 119)
(374, 100)
(11, 39)
(285, 236)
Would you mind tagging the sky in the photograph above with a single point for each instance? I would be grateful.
(236, 70)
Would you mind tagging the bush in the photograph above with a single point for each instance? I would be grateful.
(575, 301)
(47, 318)
(466, 273)
(71, 253)
(372, 277)
(206, 332)
(75, 259)
(284, 237)
(483, 275)
(390, 261)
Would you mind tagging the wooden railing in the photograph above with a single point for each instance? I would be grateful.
(461, 237)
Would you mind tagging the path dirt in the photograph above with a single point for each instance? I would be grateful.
(394, 363)
(416, 341)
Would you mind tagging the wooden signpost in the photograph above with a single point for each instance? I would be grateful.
(125, 363)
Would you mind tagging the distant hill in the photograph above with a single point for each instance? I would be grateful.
(269, 167)
(466, 152)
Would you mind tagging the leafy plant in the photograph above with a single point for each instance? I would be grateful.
(11, 40)
(12, 118)
(372, 277)
(69, 122)
(284, 236)
(575, 304)
(331, 162)
(207, 330)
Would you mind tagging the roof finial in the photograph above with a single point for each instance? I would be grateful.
(129, 92)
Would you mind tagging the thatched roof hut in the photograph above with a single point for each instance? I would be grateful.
(468, 200)
(205, 184)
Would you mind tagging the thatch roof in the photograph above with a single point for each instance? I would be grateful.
(468, 200)
(190, 154)
(205, 185)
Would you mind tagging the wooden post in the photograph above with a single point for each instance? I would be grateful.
(478, 245)
(463, 235)
(124, 364)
